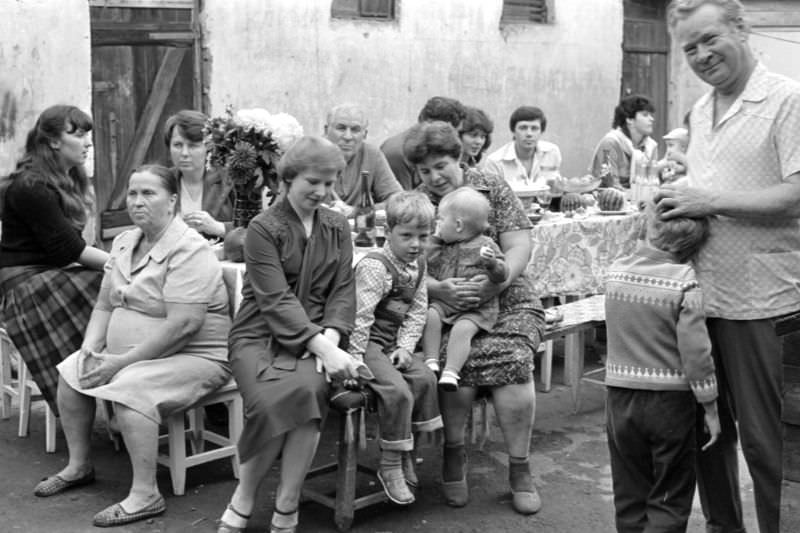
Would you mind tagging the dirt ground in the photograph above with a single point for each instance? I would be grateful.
(569, 458)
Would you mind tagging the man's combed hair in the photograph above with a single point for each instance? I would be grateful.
(680, 9)
(409, 207)
(443, 108)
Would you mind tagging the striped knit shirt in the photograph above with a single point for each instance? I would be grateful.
(657, 336)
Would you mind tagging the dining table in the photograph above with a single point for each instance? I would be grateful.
(571, 254)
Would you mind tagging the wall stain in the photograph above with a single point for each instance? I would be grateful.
(8, 117)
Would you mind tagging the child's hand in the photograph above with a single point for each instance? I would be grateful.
(401, 359)
(712, 426)
(486, 252)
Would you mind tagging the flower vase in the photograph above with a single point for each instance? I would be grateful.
(247, 204)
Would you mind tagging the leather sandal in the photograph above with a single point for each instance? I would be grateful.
(226, 527)
(50, 486)
(394, 485)
(116, 515)
(284, 522)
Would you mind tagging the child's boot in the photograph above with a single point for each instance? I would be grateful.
(449, 380)
(525, 498)
(390, 474)
(409, 472)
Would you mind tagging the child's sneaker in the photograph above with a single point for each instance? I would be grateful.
(433, 364)
(449, 380)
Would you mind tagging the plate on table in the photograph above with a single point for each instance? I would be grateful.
(534, 217)
(613, 213)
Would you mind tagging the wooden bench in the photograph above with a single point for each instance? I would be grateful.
(578, 316)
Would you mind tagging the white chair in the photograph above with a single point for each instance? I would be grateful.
(24, 389)
(176, 457)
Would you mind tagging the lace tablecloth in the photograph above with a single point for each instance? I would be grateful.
(571, 255)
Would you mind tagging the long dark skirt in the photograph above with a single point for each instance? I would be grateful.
(45, 312)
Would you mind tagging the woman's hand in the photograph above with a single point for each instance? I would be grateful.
(484, 288)
(96, 368)
(204, 223)
(339, 365)
(456, 292)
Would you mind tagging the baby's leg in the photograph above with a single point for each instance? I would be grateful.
(458, 346)
(432, 339)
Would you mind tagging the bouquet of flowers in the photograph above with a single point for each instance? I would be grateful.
(249, 144)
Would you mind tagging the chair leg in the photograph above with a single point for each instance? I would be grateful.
(235, 427)
(177, 452)
(346, 473)
(5, 379)
(546, 362)
(25, 393)
(49, 430)
(196, 427)
(573, 364)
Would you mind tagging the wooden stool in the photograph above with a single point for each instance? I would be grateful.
(176, 458)
(24, 389)
(351, 406)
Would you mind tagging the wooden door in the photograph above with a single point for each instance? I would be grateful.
(144, 68)
(645, 57)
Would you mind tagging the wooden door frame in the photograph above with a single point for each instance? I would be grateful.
(180, 37)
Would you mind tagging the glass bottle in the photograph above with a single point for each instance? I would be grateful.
(364, 215)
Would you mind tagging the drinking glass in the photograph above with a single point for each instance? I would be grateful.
(544, 198)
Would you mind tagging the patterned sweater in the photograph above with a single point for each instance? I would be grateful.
(657, 336)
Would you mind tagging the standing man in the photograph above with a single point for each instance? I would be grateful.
(744, 171)
(526, 160)
(346, 127)
(436, 108)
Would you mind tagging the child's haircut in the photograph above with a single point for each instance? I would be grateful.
(469, 205)
(681, 236)
(405, 207)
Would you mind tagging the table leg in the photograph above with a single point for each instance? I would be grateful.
(573, 362)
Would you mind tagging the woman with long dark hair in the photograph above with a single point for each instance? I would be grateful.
(49, 276)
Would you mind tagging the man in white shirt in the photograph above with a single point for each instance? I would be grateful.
(527, 161)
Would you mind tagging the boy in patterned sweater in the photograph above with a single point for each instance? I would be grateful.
(658, 368)
(392, 300)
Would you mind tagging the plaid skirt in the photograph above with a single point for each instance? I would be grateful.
(45, 312)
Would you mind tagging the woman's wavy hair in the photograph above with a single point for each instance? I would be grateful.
(431, 139)
(310, 152)
(190, 125)
(477, 120)
(40, 162)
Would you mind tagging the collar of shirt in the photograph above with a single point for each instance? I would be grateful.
(404, 268)
(755, 91)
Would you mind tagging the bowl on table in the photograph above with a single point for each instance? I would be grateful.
(527, 194)
(581, 184)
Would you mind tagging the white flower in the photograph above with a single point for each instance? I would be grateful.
(285, 129)
(257, 118)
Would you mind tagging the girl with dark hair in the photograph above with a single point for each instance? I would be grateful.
(476, 135)
(629, 142)
(49, 276)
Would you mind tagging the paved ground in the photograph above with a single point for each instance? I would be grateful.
(570, 461)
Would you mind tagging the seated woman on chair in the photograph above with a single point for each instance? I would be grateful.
(297, 310)
(49, 275)
(156, 343)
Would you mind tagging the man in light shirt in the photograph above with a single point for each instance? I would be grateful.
(527, 161)
(743, 171)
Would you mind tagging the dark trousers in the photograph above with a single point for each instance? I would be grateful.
(407, 400)
(748, 358)
(651, 440)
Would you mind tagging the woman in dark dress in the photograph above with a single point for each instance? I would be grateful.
(500, 361)
(49, 276)
(298, 309)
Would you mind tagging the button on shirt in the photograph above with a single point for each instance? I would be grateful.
(750, 267)
(505, 163)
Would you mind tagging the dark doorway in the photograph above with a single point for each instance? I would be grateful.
(145, 67)
(645, 57)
